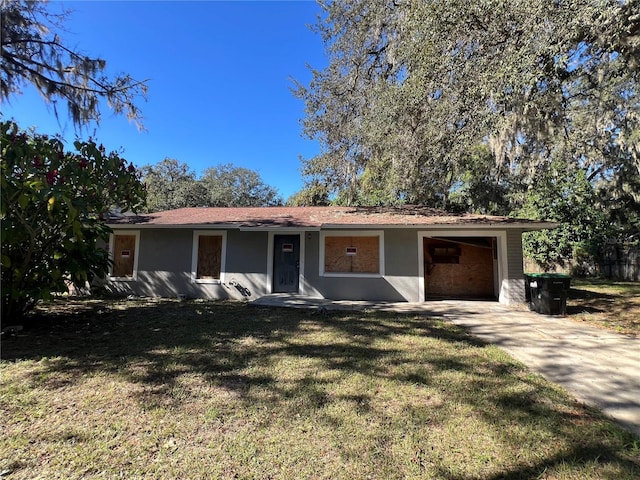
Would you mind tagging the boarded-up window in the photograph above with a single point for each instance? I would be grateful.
(209, 257)
(445, 254)
(124, 255)
(358, 254)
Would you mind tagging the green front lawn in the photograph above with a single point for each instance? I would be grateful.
(185, 390)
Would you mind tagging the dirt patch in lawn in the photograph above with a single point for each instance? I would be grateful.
(606, 304)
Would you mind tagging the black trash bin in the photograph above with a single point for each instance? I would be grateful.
(547, 292)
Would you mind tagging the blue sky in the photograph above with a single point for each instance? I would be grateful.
(219, 82)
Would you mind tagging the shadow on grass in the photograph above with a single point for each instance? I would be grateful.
(616, 310)
(579, 455)
(587, 301)
(232, 347)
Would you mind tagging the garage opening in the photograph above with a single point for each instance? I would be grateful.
(460, 268)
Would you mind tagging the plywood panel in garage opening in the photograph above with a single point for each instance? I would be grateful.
(456, 269)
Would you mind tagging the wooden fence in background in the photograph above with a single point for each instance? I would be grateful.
(620, 261)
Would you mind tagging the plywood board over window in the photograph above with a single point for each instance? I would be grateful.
(357, 254)
(124, 255)
(208, 256)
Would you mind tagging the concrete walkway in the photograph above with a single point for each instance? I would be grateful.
(598, 367)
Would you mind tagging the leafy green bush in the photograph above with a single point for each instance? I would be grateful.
(53, 204)
(566, 196)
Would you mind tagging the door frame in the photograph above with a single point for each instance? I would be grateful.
(500, 263)
(271, 253)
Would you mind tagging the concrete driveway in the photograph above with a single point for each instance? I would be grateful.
(600, 368)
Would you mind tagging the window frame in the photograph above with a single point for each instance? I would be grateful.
(445, 254)
(194, 256)
(112, 241)
(353, 233)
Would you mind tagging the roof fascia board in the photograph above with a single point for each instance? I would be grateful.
(342, 226)
(209, 226)
(449, 226)
(280, 229)
(201, 226)
(538, 226)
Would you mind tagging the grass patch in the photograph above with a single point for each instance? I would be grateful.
(167, 389)
(606, 304)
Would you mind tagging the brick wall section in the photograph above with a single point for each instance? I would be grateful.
(472, 277)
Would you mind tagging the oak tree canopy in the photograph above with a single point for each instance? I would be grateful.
(462, 104)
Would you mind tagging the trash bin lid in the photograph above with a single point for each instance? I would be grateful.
(547, 275)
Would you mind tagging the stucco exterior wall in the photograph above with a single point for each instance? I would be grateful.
(398, 283)
(246, 268)
(165, 262)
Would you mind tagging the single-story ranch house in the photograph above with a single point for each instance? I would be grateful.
(342, 253)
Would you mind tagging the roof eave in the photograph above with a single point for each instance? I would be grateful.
(539, 226)
(131, 225)
(525, 226)
(213, 226)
